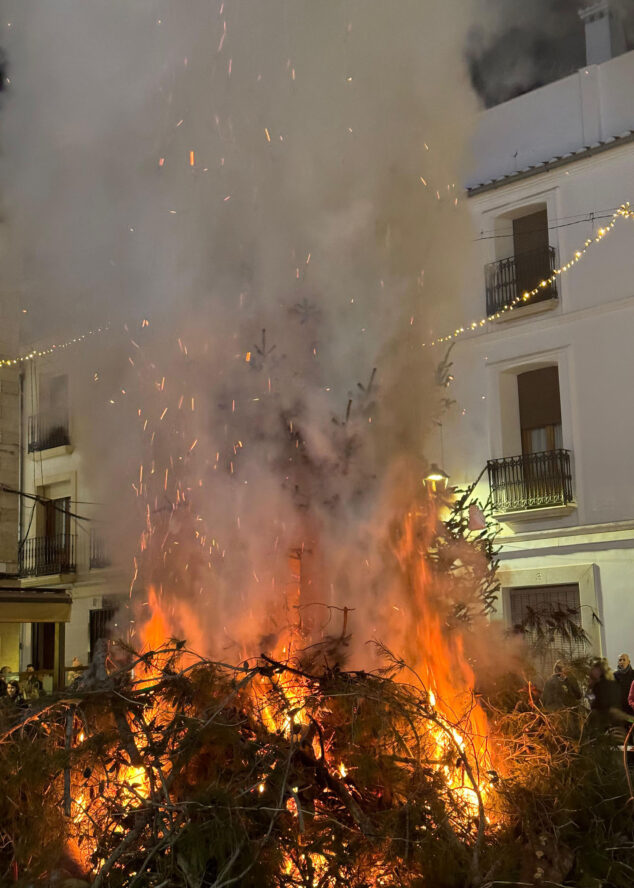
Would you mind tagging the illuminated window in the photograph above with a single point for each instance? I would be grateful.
(540, 410)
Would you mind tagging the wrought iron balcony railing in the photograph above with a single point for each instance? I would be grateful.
(41, 556)
(99, 556)
(48, 429)
(508, 279)
(531, 481)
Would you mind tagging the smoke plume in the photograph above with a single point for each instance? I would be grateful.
(275, 188)
(516, 46)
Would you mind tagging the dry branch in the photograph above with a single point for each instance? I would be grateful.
(282, 776)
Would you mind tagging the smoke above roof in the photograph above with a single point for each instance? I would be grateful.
(515, 46)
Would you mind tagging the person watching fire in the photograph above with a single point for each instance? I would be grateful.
(604, 694)
(561, 690)
(624, 675)
(15, 695)
(33, 687)
(630, 697)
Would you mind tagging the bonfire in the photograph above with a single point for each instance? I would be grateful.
(292, 770)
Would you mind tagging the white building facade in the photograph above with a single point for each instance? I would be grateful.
(58, 590)
(63, 530)
(545, 392)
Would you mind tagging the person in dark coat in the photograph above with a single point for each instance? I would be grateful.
(605, 697)
(624, 675)
(561, 690)
(33, 687)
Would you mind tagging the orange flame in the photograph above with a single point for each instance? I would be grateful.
(441, 663)
(156, 631)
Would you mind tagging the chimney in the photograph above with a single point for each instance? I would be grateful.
(605, 34)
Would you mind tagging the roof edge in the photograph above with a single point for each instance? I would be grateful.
(553, 164)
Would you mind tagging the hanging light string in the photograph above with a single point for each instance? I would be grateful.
(52, 349)
(623, 212)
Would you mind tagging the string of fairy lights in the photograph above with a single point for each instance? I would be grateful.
(53, 349)
(623, 212)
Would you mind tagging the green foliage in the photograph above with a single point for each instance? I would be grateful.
(29, 765)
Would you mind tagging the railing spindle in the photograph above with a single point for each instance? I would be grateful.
(531, 481)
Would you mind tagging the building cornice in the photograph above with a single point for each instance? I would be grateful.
(597, 533)
(594, 11)
(546, 321)
(554, 163)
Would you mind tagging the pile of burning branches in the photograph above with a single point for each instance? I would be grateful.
(178, 771)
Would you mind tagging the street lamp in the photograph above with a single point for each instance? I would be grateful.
(436, 479)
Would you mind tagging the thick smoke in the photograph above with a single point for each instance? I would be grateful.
(516, 46)
(225, 169)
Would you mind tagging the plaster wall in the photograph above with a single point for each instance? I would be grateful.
(595, 104)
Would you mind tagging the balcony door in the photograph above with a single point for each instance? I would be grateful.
(50, 425)
(540, 410)
(43, 645)
(57, 518)
(532, 256)
(54, 394)
(539, 473)
(544, 469)
(51, 551)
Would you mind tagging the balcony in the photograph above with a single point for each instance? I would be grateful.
(42, 556)
(508, 279)
(534, 485)
(47, 430)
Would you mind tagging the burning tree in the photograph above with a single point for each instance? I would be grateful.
(264, 775)
(289, 767)
(304, 757)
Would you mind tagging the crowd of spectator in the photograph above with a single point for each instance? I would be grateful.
(608, 694)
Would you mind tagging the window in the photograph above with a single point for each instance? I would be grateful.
(52, 549)
(535, 471)
(54, 511)
(549, 617)
(49, 427)
(43, 645)
(54, 394)
(525, 258)
(99, 556)
(540, 410)
(531, 251)
(57, 518)
(100, 621)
